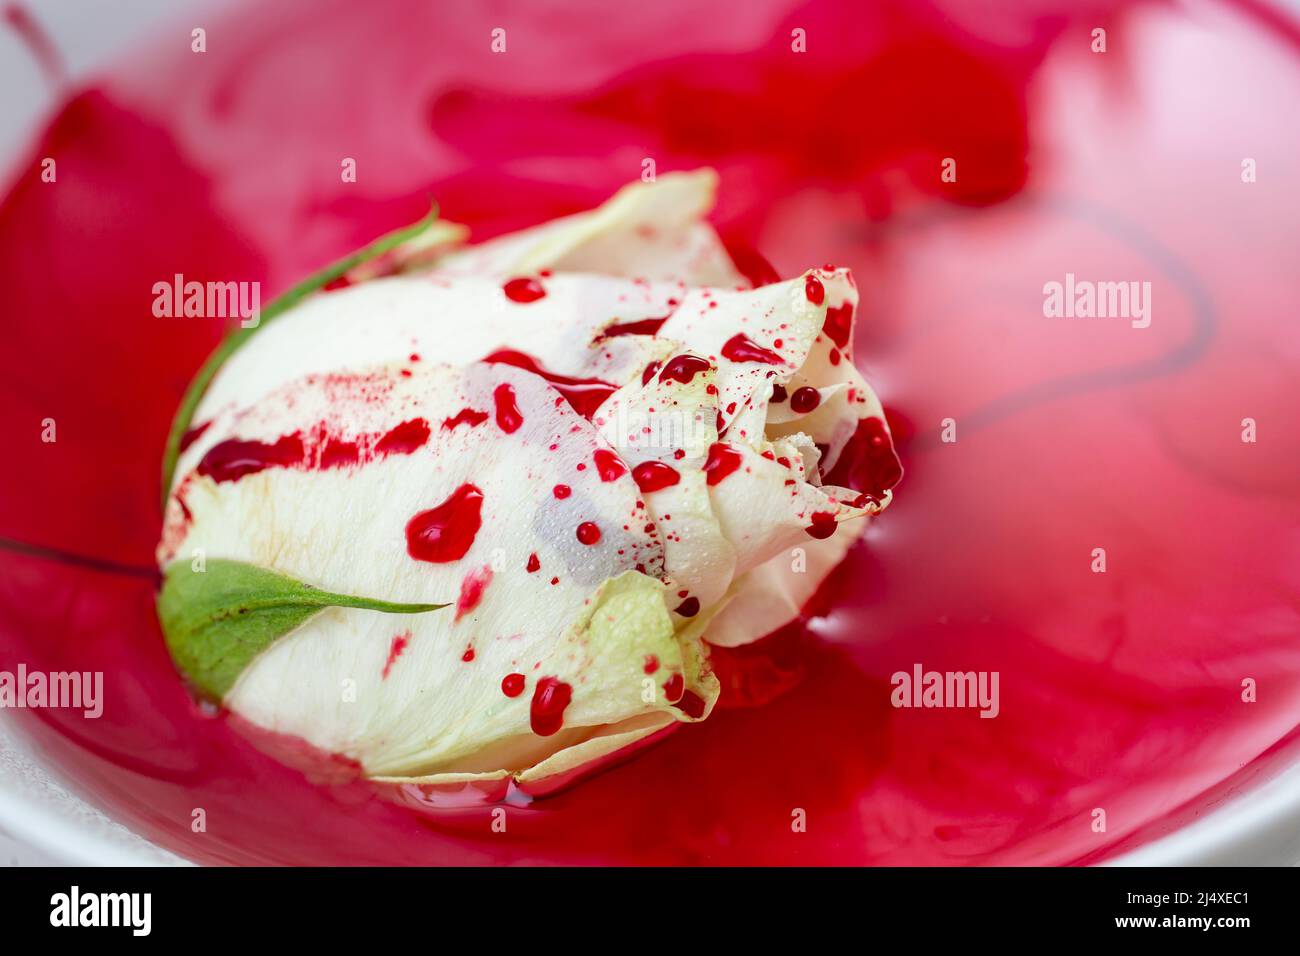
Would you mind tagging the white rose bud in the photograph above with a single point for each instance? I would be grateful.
(509, 494)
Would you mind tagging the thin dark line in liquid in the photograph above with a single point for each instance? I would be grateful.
(59, 556)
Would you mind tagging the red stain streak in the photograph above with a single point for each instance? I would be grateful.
(233, 459)
(472, 587)
(640, 327)
(405, 438)
(395, 651)
(38, 43)
(193, 434)
(586, 395)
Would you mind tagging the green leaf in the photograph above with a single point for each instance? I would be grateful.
(275, 308)
(217, 620)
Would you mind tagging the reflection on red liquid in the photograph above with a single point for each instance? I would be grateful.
(1120, 691)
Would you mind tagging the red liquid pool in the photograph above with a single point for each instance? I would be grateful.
(1119, 690)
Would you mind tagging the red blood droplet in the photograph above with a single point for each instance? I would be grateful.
(550, 698)
(805, 399)
(524, 290)
(466, 416)
(649, 372)
(512, 685)
(839, 324)
(468, 655)
(445, 533)
(741, 348)
(779, 394)
(814, 290)
(509, 417)
(674, 687)
(404, 438)
(609, 465)
(721, 462)
(868, 462)
(534, 563)
(689, 608)
(654, 476)
(588, 532)
(561, 491)
(232, 459)
(683, 368)
(823, 525)
(651, 664)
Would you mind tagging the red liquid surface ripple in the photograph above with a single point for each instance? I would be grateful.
(1118, 690)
